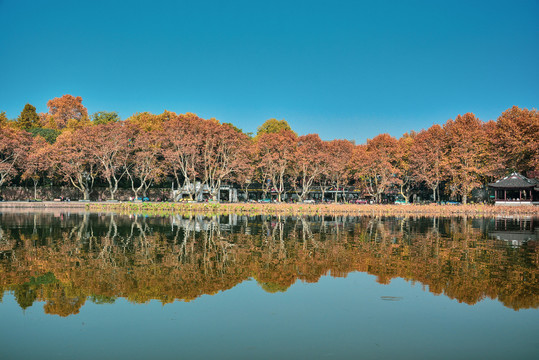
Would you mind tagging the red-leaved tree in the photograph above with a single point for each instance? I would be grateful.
(275, 155)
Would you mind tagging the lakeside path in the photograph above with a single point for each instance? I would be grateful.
(163, 208)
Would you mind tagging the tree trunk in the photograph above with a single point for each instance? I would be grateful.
(247, 192)
(281, 186)
(217, 191)
(199, 192)
(464, 198)
(406, 198)
(113, 188)
(135, 190)
(187, 186)
(35, 188)
(86, 194)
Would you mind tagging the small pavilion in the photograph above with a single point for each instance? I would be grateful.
(516, 189)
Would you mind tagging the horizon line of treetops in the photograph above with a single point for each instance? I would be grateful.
(65, 145)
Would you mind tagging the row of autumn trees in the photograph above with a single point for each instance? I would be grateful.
(67, 145)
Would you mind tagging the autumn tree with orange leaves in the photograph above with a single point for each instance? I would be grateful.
(517, 139)
(309, 164)
(144, 166)
(376, 165)
(37, 162)
(14, 145)
(245, 173)
(428, 160)
(150, 122)
(72, 159)
(467, 156)
(182, 138)
(223, 150)
(337, 164)
(406, 171)
(64, 110)
(275, 155)
(110, 146)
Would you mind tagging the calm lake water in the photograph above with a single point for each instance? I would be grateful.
(90, 286)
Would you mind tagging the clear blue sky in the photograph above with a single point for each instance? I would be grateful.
(343, 69)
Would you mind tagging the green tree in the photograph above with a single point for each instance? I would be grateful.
(25, 295)
(49, 135)
(236, 129)
(105, 117)
(273, 126)
(3, 118)
(28, 118)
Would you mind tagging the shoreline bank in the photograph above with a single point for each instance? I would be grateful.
(275, 208)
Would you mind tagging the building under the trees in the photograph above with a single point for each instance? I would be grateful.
(515, 189)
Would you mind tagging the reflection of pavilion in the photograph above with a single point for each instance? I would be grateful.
(515, 189)
(516, 231)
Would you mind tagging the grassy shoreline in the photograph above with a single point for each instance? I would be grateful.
(277, 209)
(317, 209)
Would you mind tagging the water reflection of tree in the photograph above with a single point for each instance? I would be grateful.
(103, 257)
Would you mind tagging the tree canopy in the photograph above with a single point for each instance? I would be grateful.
(3, 118)
(28, 118)
(273, 126)
(445, 161)
(64, 109)
(105, 117)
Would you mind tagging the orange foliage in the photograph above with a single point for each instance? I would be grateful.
(275, 155)
(135, 259)
(64, 109)
(376, 164)
(446, 161)
(14, 146)
(467, 155)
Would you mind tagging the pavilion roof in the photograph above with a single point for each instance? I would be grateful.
(514, 181)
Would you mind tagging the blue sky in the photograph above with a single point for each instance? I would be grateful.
(343, 69)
